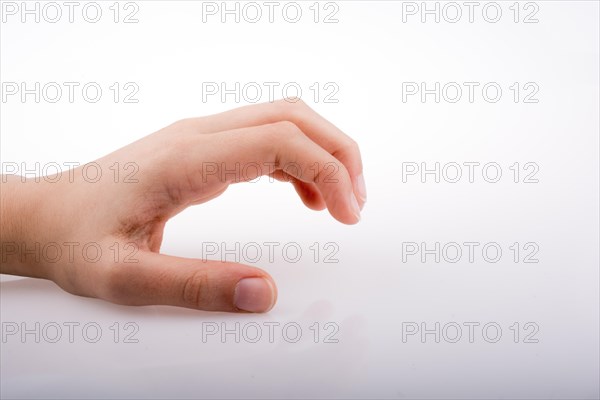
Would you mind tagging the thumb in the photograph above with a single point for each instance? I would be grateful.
(192, 283)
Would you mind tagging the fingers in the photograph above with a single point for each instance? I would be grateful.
(308, 192)
(317, 128)
(285, 147)
(198, 284)
(310, 195)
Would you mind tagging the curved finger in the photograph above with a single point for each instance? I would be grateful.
(283, 146)
(317, 128)
(307, 191)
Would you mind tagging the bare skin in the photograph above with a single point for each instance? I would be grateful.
(181, 165)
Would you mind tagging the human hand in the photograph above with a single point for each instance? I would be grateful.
(184, 164)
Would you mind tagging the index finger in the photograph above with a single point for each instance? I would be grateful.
(317, 128)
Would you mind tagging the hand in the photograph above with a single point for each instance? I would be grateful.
(186, 163)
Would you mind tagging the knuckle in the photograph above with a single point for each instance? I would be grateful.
(295, 103)
(353, 145)
(182, 122)
(178, 126)
(286, 129)
(350, 146)
(184, 128)
(290, 107)
(195, 291)
(186, 123)
(179, 135)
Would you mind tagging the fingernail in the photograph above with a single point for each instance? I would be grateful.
(253, 295)
(355, 206)
(361, 188)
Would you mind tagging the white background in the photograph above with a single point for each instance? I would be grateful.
(370, 294)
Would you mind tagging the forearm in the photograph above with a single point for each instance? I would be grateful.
(20, 245)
